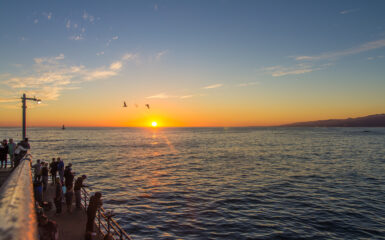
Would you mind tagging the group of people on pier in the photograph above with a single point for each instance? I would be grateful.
(61, 177)
(65, 190)
(13, 150)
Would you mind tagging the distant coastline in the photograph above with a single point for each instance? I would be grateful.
(377, 120)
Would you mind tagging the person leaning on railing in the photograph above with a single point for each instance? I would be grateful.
(19, 153)
(25, 145)
(78, 186)
(93, 206)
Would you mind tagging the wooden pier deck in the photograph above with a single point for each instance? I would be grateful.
(17, 210)
(72, 226)
(4, 173)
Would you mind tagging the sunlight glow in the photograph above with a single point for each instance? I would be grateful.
(154, 124)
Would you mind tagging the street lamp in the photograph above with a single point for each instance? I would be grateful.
(24, 101)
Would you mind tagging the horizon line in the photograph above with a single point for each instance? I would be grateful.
(143, 126)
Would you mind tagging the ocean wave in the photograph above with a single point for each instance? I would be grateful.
(225, 183)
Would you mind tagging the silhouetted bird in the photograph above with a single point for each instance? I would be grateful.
(147, 106)
(124, 104)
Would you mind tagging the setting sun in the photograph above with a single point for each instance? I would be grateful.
(154, 124)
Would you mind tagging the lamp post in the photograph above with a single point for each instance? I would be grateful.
(24, 101)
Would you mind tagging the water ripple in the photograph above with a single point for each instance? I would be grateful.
(230, 183)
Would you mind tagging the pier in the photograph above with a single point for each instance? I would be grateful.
(17, 204)
(71, 225)
(18, 213)
(4, 173)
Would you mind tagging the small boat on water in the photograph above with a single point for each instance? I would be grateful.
(63, 127)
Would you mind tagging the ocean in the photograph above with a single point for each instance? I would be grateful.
(229, 183)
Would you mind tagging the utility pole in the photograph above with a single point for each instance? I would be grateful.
(24, 101)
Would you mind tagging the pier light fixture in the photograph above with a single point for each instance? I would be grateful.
(24, 107)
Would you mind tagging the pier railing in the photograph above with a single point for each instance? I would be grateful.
(104, 221)
(17, 209)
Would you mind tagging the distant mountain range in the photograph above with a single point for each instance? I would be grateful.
(377, 120)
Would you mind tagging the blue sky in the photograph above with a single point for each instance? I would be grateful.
(258, 56)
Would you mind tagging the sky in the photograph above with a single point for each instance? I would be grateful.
(196, 63)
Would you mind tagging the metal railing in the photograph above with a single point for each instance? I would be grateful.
(104, 221)
(17, 209)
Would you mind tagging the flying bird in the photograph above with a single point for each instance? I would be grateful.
(147, 106)
(124, 104)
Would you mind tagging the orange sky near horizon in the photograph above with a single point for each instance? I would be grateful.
(167, 114)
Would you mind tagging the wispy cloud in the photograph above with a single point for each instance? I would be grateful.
(284, 72)
(68, 24)
(311, 63)
(129, 56)
(99, 53)
(115, 66)
(186, 96)
(114, 38)
(166, 96)
(101, 73)
(350, 51)
(77, 28)
(213, 86)
(76, 38)
(156, 7)
(36, 21)
(4, 100)
(374, 58)
(50, 76)
(47, 15)
(247, 84)
(349, 11)
(77, 32)
(4, 76)
(160, 54)
(279, 71)
(160, 96)
(49, 60)
(88, 17)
